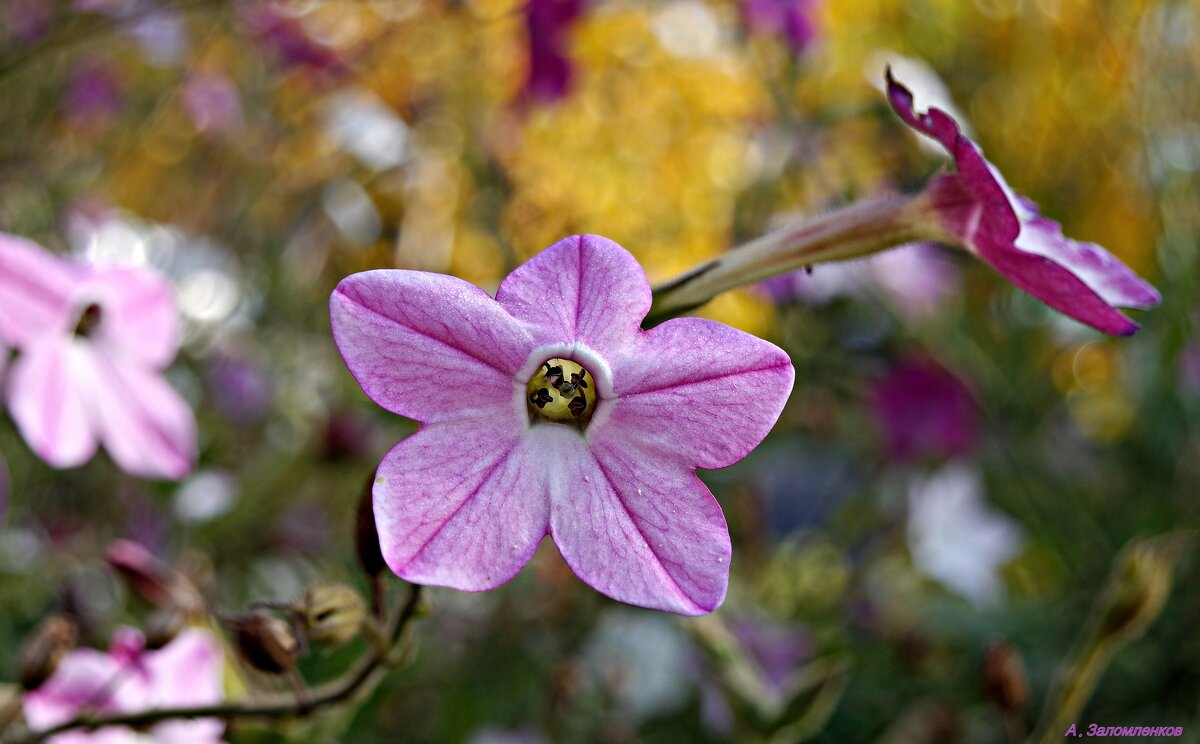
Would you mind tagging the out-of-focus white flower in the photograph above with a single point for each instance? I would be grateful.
(955, 537)
(641, 658)
(364, 126)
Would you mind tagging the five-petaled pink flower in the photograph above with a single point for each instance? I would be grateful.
(976, 208)
(93, 341)
(130, 679)
(548, 410)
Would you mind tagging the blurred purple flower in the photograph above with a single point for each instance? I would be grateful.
(92, 97)
(515, 445)
(974, 207)
(93, 341)
(239, 388)
(288, 40)
(789, 20)
(186, 672)
(955, 537)
(924, 411)
(26, 21)
(777, 649)
(212, 102)
(549, 24)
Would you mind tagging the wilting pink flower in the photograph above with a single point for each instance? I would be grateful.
(548, 23)
(549, 411)
(93, 341)
(128, 679)
(924, 411)
(790, 20)
(976, 208)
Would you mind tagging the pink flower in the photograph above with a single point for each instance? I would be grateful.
(976, 208)
(924, 410)
(93, 341)
(790, 20)
(128, 679)
(549, 23)
(548, 410)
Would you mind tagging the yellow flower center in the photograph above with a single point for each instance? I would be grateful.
(561, 391)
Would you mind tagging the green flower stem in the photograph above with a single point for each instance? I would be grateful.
(358, 680)
(854, 231)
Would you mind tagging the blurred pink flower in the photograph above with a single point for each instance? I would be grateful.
(128, 679)
(549, 23)
(92, 97)
(93, 341)
(924, 411)
(975, 208)
(466, 500)
(212, 102)
(790, 20)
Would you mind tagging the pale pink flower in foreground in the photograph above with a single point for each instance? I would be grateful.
(92, 343)
(975, 207)
(548, 410)
(128, 679)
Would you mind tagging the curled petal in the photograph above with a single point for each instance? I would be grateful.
(139, 317)
(462, 504)
(701, 391)
(35, 291)
(426, 346)
(48, 395)
(584, 288)
(976, 208)
(639, 530)
(145, 425)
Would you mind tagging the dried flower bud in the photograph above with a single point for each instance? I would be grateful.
(1138, 585)
(42, 651)
(366, 536)
(163, 625)
(265, 642)
(1004, 677)
(332, 614)
(153, 579)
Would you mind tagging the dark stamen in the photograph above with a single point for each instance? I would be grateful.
(577, 406)
(89, 319)
(541, 398)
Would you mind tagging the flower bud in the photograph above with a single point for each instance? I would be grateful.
(1138, 586)
(332, 614)
(41, 653)
(1004, 677)
(366, 536)
(265, 642)
(151, 578)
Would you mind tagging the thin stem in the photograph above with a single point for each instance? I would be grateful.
(362, 677)
(1075, 688)
(858, 230)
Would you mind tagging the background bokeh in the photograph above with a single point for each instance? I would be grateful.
(957, 465)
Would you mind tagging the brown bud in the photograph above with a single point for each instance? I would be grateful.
(163, 625)
(366, 536)
(265, 642)
(1138, 586)
(41, 653)
(332, 614)
(1004, 677)
(151, 578)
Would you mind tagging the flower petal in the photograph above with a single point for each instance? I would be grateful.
(138, 313)
(584, 288)
(427, 346)
(462, 504)
(1115, 282)
(187, 672)
(48, 395)
(639, 530)
(35, 291)
(980, 210)
(145, 425)
(698, 391)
